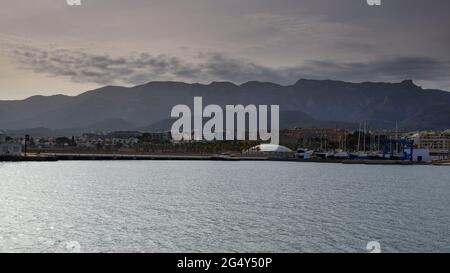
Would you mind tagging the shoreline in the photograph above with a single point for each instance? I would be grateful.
(129, 157)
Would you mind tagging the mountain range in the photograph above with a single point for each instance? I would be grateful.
(307, 103)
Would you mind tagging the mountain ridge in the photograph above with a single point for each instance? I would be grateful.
(382, 104)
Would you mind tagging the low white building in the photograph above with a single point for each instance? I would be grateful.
(421, 155)
(271, 150)
(9, 148)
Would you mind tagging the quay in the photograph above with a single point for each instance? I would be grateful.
(88, 157)
(28, 158)
(384, 162)
(442, 163)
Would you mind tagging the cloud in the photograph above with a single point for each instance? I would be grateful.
(392, 69)
(139, 68)
(100, 68)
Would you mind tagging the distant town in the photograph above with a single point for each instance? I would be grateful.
(306, 144)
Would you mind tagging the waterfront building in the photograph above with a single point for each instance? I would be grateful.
(9, 148)
(420, 155)
(438, 143)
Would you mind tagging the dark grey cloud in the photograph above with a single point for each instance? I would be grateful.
(139, 68)
(102, 69)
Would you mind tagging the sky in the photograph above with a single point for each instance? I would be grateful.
(48, 47)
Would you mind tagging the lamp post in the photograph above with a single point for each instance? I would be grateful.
(27, 139)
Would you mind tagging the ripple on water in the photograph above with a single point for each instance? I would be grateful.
(170, 206)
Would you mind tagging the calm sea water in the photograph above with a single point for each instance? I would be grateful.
(196, 206)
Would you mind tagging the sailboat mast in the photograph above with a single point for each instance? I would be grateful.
(359, 136)
(364, 136)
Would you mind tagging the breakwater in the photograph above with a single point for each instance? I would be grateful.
(89, 157)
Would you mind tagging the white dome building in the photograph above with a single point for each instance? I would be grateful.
(270, 150)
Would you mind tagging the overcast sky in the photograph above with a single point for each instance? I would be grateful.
(48, 47)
